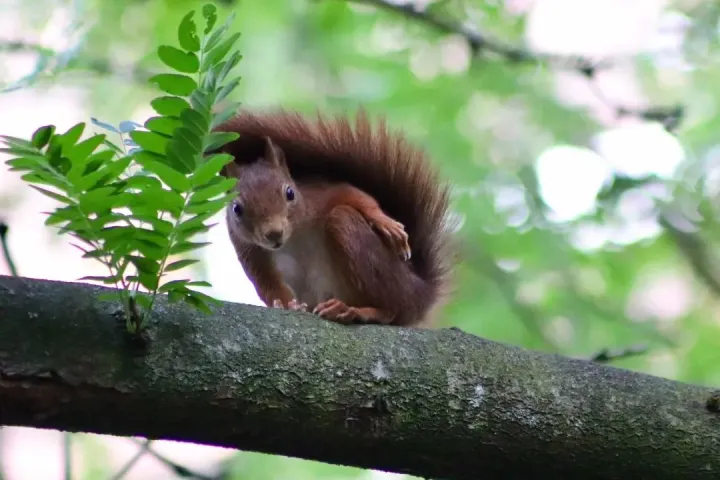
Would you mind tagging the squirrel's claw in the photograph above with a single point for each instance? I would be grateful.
(336, 311)
(293, 305)
(296, 306)
(394, 233)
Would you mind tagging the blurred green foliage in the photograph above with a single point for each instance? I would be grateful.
(523, 278)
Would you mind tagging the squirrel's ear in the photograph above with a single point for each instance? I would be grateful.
(274, 154)
(230, 170)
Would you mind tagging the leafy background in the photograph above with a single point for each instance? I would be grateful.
(586, 189)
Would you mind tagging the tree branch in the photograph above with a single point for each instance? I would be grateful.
(144, 448)
(431, 403)
(669, 116)
(179, 470)
(52, 61)
(608, 355)
(695, 250)
(477, 41)
(6, 249)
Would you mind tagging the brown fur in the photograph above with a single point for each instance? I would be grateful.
(352, 185)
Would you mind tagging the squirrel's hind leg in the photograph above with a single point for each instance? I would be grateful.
(339, 312)
(380, 285)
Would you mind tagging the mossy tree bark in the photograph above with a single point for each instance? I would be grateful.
(431, 403)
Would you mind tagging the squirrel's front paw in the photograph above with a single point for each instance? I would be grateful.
(394, 233)
(293, 305)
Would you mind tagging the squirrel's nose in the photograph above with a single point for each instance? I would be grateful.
(274, 236)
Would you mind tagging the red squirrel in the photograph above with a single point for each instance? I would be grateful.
(340, 220)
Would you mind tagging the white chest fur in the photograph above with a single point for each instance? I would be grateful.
(307, 267)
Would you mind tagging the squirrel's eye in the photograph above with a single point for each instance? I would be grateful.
(290, 194)
(237, 209)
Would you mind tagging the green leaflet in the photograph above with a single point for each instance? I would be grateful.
(179, 60)
(187, 33)
(169, 105)
(137, 207)
(164, 125)
(174, 83)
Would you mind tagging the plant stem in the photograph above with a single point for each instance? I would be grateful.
(171, 239)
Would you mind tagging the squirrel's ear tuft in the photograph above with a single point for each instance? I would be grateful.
(274, 154)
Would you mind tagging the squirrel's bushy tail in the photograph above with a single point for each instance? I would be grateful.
(380, 162)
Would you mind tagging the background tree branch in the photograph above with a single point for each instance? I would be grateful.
(432, 403)
(668, 116)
